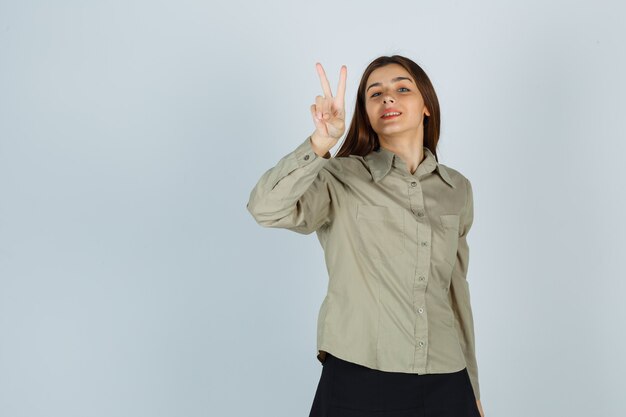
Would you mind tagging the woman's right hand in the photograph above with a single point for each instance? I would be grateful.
(329, 113)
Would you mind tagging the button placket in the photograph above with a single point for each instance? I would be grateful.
(416, 202)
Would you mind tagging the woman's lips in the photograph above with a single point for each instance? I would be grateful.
(391, 117)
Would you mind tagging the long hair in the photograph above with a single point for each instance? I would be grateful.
(362, 139)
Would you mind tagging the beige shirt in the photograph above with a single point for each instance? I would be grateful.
(396, 253)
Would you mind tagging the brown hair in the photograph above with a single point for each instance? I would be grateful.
(362, 139)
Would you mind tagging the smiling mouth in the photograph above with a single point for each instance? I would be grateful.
(391, 117)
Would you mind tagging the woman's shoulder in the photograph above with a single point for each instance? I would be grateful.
(455, 176)
(346, 164)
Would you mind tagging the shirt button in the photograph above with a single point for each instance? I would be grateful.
(413, 184)
(420, 213)
(306, 157)
(422, 278)
(421, 310)
(424, 243)
(421, 343)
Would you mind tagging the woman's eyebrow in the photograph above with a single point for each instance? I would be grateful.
(393, 80)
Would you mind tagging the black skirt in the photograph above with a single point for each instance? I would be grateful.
(347, 389)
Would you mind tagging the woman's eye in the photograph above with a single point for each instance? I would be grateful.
(401, 88)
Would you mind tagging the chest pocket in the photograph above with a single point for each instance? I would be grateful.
(450, 223)
(380, 231)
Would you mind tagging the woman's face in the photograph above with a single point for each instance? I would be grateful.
(392, 88)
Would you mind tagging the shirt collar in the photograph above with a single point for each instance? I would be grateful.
(380, 162)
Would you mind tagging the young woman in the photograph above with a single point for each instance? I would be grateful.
(395, 331)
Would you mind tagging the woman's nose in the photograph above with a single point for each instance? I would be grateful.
(388, 100)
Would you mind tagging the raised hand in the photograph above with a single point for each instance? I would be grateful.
(329, 113)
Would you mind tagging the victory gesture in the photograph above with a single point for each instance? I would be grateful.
(329, 113)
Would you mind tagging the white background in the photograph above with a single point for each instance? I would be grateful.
(133, 281)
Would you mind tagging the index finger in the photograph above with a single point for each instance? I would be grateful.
(341, 89)
(324, 80)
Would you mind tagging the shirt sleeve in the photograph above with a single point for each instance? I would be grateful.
(460, 294)
(296, 193)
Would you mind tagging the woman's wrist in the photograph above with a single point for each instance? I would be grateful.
(319, 150)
